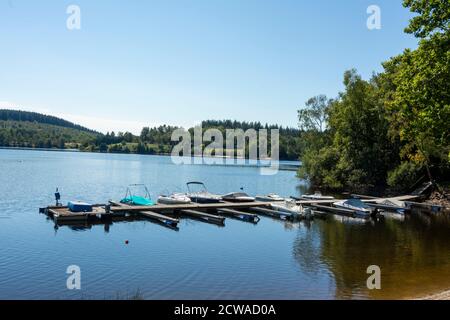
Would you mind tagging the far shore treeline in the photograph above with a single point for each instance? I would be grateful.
(388, 132)
(33, 130)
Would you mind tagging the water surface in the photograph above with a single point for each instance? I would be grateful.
(270, 260)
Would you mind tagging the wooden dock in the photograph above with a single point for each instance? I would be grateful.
(215, 213)
(366, 199)
(204, 216)
(427, 207)
(338, 211)
(193, 206)
(166, 214)
(273, 213)
(241, 215)
(148, 213)
(63, 213)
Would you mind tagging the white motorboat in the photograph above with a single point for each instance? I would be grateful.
(238, 197)
(270, 198)
(360, 208)
(390, 205)
(292, 209)
(174, 198)
(201, 196)
(317, 196)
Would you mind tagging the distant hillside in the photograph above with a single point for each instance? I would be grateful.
(41, 135)
(17, 115)
(35, 130)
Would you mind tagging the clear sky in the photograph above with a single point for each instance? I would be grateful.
(136, 63)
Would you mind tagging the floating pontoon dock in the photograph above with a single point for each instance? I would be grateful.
(168, 214)
(59, 213)
(250, 217)
(192, 206)
(170, 221)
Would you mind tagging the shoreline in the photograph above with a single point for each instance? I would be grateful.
(283, 164)
(142, 154)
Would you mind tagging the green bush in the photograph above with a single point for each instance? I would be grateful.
(404, 176)
(319, 167)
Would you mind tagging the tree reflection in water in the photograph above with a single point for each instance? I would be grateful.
(413, 254)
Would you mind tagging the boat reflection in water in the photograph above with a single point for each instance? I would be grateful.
(413, 255)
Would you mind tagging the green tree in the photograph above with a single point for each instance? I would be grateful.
(357, 153)
(433, 16)
(419, 85)
(314, 115)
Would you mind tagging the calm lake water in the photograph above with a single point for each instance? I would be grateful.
(271, 260)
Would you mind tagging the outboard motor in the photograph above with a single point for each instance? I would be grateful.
(57, 197)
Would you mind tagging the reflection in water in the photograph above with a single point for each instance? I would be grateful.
(87, 225)
(414, 255)
(306, 260)
(302, 188)
(307, 250)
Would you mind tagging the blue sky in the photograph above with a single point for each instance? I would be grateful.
(136, 63)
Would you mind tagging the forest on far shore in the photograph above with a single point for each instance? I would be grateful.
(34, 130)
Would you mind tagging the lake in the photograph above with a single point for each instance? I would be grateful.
(322, 259)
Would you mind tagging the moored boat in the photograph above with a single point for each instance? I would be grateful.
(174, 198)
(132, 199)
(360, 208)
(289, 207)
(391, 205)
(317, 196)
(203, 195)
(270, 197)
(237, 197)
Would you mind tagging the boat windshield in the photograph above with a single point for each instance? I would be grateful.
(196, 187)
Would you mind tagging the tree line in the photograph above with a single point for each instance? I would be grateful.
(157, 140)
(393, 129)
(34, 130)
(17, 115)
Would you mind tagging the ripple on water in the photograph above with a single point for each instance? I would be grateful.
(270, 260)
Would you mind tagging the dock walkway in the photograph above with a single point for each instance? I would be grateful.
(210, 212)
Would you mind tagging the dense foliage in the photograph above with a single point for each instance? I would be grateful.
(393, 129)
(290, 142)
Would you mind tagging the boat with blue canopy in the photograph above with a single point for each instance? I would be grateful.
(132, 199)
